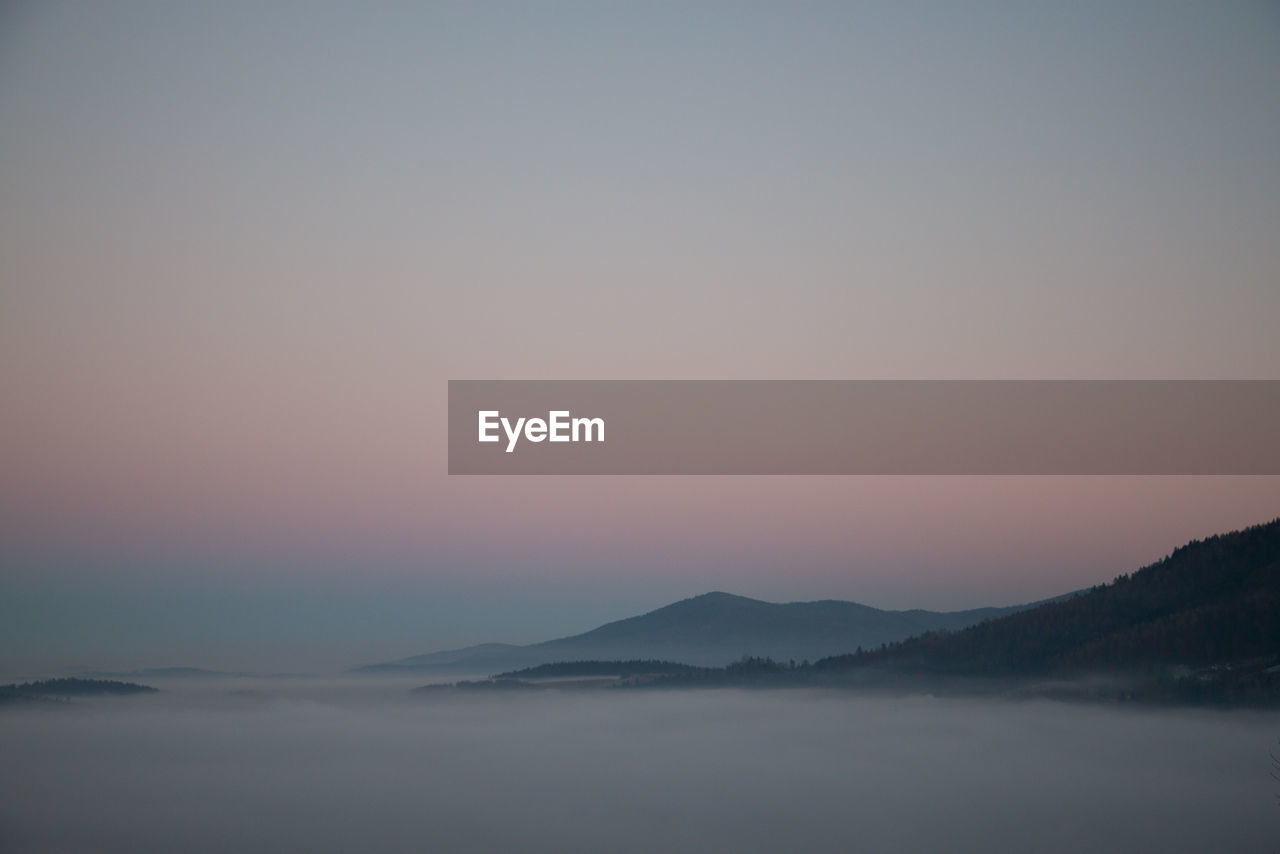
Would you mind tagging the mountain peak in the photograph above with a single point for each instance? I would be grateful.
(720, 596)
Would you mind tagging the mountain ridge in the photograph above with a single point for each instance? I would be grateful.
(1201, 626)
(1211, 603)
(709, 629)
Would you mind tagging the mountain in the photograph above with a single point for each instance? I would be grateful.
(712, 629)
(1203, 622)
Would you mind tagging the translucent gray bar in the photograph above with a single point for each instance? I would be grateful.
(1042, 427)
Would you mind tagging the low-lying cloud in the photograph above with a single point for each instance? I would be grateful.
(356, 764)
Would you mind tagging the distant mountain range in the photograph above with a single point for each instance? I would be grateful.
(709, 630)
(1200, 626)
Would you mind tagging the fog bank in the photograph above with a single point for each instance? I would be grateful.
(355, 764)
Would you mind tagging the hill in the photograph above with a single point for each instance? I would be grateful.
(63, 689)
(1203, 622)
(709, 630)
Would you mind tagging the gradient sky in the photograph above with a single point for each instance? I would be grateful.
(243, 247)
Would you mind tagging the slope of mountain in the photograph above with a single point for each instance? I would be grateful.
(711, 629)
(1207, 614)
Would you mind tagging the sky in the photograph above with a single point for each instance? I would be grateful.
(243, 247)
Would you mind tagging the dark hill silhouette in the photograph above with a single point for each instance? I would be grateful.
(710, 630)
(62, 689)
(1203, 622)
